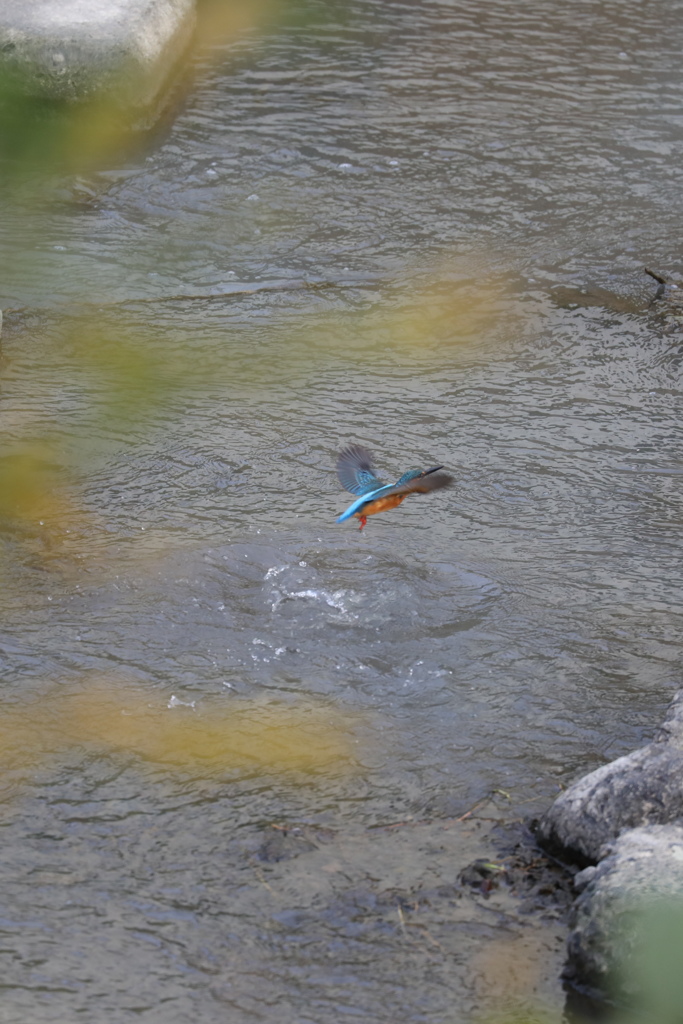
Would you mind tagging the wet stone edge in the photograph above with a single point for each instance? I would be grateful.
(622, 824)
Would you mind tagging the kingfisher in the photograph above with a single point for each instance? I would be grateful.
(356, 473)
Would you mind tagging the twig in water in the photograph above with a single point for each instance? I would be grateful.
(662, 282)
(473, 808)
(657, 277)
(427, 933)
(262, 880)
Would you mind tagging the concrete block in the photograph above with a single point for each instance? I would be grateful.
(124, 50)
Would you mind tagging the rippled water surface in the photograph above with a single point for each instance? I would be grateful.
(248, 751)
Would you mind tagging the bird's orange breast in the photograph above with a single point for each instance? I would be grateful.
(381, 505)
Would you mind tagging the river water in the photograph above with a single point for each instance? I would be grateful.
(247, 750)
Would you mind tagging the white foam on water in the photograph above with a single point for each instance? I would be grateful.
(175, 702)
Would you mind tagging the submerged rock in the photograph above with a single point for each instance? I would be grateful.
(642, 788)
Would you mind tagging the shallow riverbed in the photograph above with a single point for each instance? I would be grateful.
(248, 751)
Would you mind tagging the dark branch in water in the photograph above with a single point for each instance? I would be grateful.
(662, 284)
(657, 277)
(207, 296)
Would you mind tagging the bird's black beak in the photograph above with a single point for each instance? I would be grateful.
(432, 470)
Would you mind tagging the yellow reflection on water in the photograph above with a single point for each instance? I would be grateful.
(39, 506)
(36, 488)
(222, 734)
(222, 21)
(120, 380)
(513, 974)
(451, 307)
(28, 479)
(127, 376)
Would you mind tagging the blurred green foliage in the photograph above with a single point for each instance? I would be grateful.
(40, 138)
(652, 971)
(124, 373)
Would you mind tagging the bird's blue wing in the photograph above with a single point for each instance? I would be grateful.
(355, 472)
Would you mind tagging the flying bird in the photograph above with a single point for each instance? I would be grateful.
(356, 474)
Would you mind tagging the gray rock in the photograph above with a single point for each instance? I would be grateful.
(627, 924)
(74, 49)
(642, 788)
